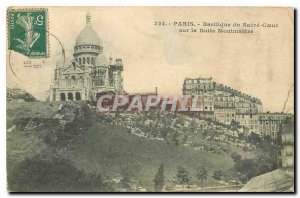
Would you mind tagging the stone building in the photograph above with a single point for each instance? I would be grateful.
(270, 123)
(287, 139)
(89, 72)
(228, 105)
(225, 102)
(204, 89)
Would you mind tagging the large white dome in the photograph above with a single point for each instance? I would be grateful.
(88, 36)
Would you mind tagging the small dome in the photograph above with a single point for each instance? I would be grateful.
(88, 36)
(101, 60)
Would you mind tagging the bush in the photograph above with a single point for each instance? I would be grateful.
(56, 175)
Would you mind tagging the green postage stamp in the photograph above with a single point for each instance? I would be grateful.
(28, 31)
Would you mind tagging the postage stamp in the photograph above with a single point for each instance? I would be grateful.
(28, 31)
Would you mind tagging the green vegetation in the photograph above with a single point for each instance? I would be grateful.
(265, 160)
(159, 180)
(218, 174)
(202, 174)
(183, 176)
(55, 175)
(93, 150)
(107, 148)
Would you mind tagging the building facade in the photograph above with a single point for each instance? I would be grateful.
(230, 106)
(271, 123)
(287, 140)
(89, 72)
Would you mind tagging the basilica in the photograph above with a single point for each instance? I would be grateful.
(89, 73)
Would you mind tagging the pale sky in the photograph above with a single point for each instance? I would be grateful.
(260, 64)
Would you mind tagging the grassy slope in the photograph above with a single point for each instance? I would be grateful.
(29, 110)
(106, 149)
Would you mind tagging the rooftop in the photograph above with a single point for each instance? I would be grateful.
(275, 181)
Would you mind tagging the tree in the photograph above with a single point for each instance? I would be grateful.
(182, 175)
(52, 175)
(236, 157)
(159, 180)
(202, 174)
(247, 168)
(193, 125)
(218, 174)
(254, 139)
(235, 125)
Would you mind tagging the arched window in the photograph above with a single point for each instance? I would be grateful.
(88, 60)
(62, 97)
(73, 81)
(70, 96)
(83, 61)
(81, 81)
(77, 96)
(93, 61)
(67, 80)
(79, 61)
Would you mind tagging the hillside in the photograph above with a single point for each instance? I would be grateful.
(91, 146)
(109, 149)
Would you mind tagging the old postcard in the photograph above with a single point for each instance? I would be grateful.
(150, 99)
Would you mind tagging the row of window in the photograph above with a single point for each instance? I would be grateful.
(271, 122)
(198, 81)
(188, 92)
(246, 116)
(206, 108)
(87, 47)
(269, 127)
(246, 110)
(224, 110)
(277, 117)
(223, 104)
(86, 60)
(191, 86)
(221, 99)
(224, 99)
(224, 114)
(245, 104)
(70, 96)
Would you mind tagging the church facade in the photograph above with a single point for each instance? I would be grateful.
(89, 73)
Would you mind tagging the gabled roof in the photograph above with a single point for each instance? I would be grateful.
(73, 69)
